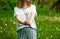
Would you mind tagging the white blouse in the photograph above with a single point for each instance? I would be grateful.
(25, 14)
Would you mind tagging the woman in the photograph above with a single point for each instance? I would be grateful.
(24, 13)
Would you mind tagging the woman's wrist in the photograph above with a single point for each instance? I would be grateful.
(28, 22)
(22, 22)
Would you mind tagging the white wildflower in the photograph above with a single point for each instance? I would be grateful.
(47, 38)
(5, 24)
(51, 36)
(14, 22)
(0, 27)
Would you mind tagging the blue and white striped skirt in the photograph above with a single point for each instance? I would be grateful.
(26, 33)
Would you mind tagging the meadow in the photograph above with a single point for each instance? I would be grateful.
(48, 27)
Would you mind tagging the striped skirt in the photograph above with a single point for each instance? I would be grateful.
(26, 33)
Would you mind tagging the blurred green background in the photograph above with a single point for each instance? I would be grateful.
(47, 19)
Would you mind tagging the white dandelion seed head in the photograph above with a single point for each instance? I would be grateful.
(42, 33)
(1, 31)
(4, 29)
(57, 29)
(47, 38)
(0, 27)
(39, 35)
(5, 24)
(11, 20)
(45, 29)
(14, 22)
(38, 23)
(53, 30)
(51, 36)
(1, 18)
(40, 29)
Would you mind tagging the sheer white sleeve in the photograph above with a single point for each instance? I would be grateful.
(33, 7)
(16, 11)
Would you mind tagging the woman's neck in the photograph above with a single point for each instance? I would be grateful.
(25, 6)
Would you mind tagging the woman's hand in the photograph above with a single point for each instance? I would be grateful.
(27, 22)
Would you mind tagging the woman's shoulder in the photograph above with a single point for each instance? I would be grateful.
(32, 5)
(16, 8)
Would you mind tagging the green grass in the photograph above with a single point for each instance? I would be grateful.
(7, 25)
(46, 12)
(47, 27)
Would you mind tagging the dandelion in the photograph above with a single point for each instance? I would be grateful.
(37, 23)
(51, 36)
(39, 35)
(11, 20)
(5, 24)
(53, 30)
(14, 22)
(1, 31)
(47, 38)
(40, 29)
(57, 29)
(0, 27)
(42, 33)
(4, 29)
(45, 29)
(1, 18)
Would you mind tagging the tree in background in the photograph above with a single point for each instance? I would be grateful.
(56, 5)
(10, 4)
(7, 4)
(40, 2)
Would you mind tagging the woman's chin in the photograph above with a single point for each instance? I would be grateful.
(28, 0)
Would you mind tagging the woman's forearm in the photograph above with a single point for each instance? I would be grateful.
(30, 20)
(19, 19)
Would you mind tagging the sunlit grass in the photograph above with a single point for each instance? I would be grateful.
(47, 27)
